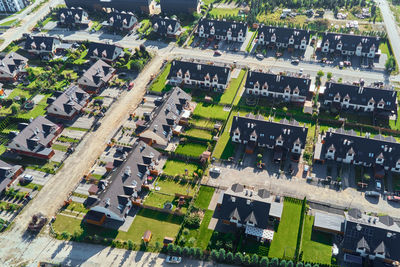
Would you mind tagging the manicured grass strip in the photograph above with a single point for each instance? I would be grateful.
(210, 111)
(204, 197)
(250, 44)
(203, 123)
(285, 239)
(191, 149)
(9, 23)
(78, 207)
(171, 187)
(224, 147)
(158, 200)
(60, 147)
(160, 224)
(198, 133)
(233, 87)
(202, 235)
(176, 167)
(159, 84)
(32, 186)
(67, 139)
(316, 246)
(78, 129)
(224, 12)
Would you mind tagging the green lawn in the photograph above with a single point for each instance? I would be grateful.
(250, 44)
(210, 111)
(9, 23)
(191, 149)
(38, 110)
(176, 167)
(78, 207)
(81, 60)
(285, 239)
(160, 224)
(316, 246)
(233, 87)
(203, 123)
(158, 200)
(224, 12)
(19, 92)
(60, 147)
(202, 235)
(77, 129)
(384, 48)
(224, 147)
(159, 84)
(2, 149)
(204, 197)
(32, 186)
(198, 133)
(171, 187)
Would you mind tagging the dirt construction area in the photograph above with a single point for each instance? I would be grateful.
(51, 197)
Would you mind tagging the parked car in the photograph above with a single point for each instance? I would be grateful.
(171, 259)
(260, 56)
(217, 53)
(347, 63)
(295, 61)
(393, 198)
(341, 64)
(378, 185)
(28, 178)
(301, 71)
(372, 194)
(215, 170)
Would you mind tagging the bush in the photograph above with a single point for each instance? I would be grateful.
(274, 262)
(198, 253)
(185, 231)
(170, 248)
(178, 250)
(130, 244)
(264, 262)
(238, 258)
(229, 257)
(192, 221)
(214, 255)
(192, 252)
(283, 263)
(299, 264)
(191, 241)
(308, 265)
(185, 251)
(222, 255)
(65, 235)
(289, 264)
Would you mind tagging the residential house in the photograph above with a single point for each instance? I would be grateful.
(282, 37)
(199, 75)
(176, 7)
(283, 137)
(166, 27)
(35, 138)
(256, 212)
(167, 119)
(12, 66)
(371, 238)
(136, 6)
(68, 104)
(380, 152)
(96, 77)
(118, 196)
(347, 44)
(106, 52)
(41, 45)
(288, 88)
(122, 21)
(8, 174)
(73, 17)
(222, 30)
(360, 98)
(7, 6)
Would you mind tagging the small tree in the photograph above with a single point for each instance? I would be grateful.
(247, 260)
(289, 264)
(299, 264)
(282, 263)
(308, 265)
(238, 258)
(264, 262)
(390, 64)
(14, 109)
(178, 250)
(192, 252)
(274, 262)
(320, 73)
(254, 260)
(185, 251)
(198, 253)
(130, 244)
(170, 248)
(214, 254)
(65, 234)
(222, 255)
(329, 75)
(229, 257)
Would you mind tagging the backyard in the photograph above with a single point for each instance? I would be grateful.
(285, 238)
(211, 111)
(176, 167)
(191, 149)
(233, 87)
(159, 83)
(168, 186)
(204, 197)
(199, 133)
(316, 246)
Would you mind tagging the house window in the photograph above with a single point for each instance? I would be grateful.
(371, 155)
(330, 151)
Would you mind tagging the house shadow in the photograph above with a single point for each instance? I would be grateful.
(78, 254)
(372, 200)
(160, 45)
(114, 37)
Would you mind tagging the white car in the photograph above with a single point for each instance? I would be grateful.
(260, 56)
(215, 170)
(378, 185)
(28, 178)
(171, 259)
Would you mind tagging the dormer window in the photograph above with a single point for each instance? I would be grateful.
(256, 85)
(273, 38)
(339, 46)
(379, 160)
(212, 30)
(381, 104)
(291, 40)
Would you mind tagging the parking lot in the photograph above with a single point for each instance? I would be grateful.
(39, 178)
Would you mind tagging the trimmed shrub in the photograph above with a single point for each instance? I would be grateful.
(254, 260)
(274, 262)
(222, 255)
(238, 258)
(246, 260)
(214, 254)
(229, 257)
(264, 262)
(185, 251)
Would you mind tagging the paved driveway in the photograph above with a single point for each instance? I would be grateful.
(39, 178)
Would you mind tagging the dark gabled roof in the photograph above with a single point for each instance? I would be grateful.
(366, 149)
(178, 6)
(198, 71)
(45, 43)
(269, 131)
(350, 42)
(373, 237)
(362, 95)
(71, 100)
(71, 15)
(278, 83)
(99, 73)
(35, 137)
(168, 114)
(221, 27)
(126, 180)
(245, 208)
(122, 19)
(161, 25)
(102, 50)
(283, 34)
(12, 63)
(7, 171)
(139, 6)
